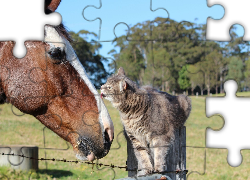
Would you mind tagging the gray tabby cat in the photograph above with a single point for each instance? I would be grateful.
(149, 117)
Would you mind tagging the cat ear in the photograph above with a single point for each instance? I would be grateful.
(121, 71)
(123, 85)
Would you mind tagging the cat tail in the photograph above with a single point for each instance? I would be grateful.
(185, 105)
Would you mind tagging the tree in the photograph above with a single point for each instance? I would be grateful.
(159, 49)
(237, 47)
(130, 58)
(196, 77)
(91, 61)
(156, 52)
(235, 68)
(183, 79)
(247, 73)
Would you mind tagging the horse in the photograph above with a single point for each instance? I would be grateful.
(51, 84)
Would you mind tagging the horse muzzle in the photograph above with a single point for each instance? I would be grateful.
(89, 150)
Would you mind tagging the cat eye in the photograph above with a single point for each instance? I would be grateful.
(109, 87)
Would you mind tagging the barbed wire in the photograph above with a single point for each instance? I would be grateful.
(89, 163)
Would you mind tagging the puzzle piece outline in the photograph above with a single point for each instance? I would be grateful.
(35, 31)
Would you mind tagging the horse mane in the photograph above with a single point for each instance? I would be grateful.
(61, 29)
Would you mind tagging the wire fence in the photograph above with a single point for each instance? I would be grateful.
(87, 162)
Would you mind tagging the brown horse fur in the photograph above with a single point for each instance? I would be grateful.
(149, 117)
(52, 4)
(56, 95)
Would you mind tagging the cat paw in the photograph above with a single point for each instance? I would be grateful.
(160, 168)
(145, 171)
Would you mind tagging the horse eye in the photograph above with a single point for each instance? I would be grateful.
(57, 54)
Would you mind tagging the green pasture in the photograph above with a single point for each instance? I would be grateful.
(26, 130)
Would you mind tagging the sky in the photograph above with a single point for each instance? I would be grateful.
(108, 18)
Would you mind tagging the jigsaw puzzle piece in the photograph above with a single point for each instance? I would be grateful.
(12, 155)
(27, 75)
(159, 57)
(32, 75)
(234, 14)
(14, 164)
(88, 54)
(123, 11)
(230, 107)
(26, 20)
(198, 123)
(196, 161)
(52, 143)
(15, 127)
(101, 172)
(63, 44)
(218, 168)
(215, 166)
(201, 74)
(19, 123)
(118, 150)
(189, 10)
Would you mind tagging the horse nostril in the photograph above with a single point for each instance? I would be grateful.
(106, 137)
(107, 140)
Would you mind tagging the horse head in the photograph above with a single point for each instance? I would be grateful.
(51, 84)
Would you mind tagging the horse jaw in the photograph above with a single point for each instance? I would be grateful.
(55, 40)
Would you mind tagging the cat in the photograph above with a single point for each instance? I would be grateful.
(149, 117)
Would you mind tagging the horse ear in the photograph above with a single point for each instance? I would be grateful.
(123, 85)
(121, 71)
(51, 4)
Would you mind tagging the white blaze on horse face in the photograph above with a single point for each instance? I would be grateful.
(55, 40)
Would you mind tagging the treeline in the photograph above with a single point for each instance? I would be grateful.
(86, 51)
(173, 56)
(169, 56)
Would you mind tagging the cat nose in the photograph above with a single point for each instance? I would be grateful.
(101, 87)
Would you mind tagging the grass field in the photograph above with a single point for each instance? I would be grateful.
(26, 130)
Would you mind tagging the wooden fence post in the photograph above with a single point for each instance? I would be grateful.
(176, 158)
